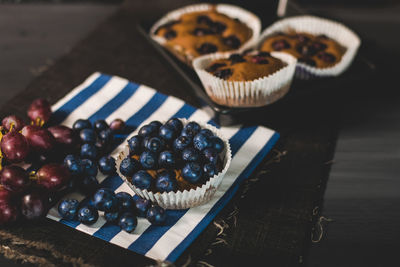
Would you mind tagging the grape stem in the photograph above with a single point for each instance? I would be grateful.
(33, 176)
(38, 122)
(11, 127)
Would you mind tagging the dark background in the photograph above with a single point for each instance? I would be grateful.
(340, 137)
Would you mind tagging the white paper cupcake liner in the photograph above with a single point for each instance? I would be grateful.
(259, 92)
(183, 199)
(316, 26)
(246, 17)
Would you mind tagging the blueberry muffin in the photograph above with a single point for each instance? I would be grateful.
(198, 33)
(317, 51)
(248, 66)
(172, 157)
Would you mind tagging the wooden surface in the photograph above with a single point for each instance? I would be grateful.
(272, 216)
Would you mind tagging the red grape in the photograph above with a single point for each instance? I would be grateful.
(39, 109)
(63, 135)
(40, 139)
(117, 125)
(53, 176)
(8, 213)
(14, 147)
(14, 178)
(17, 123)
(5, 195)
(33, 206)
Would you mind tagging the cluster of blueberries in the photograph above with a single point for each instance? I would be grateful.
(92, 156)
(121, 209)
(168, 147)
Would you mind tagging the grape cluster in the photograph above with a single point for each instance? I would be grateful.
(121, 209)
(27, 194)
(171, 149)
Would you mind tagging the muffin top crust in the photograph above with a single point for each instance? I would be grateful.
(199, 33)
(318, 51)
(245, 67)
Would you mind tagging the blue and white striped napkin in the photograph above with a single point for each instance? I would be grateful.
(110, 97)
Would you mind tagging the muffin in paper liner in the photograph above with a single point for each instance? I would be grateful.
(187, 198)
(316, 26)
(246, 17)
(260, 92)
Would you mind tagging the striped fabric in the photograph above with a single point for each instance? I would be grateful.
(111, 97)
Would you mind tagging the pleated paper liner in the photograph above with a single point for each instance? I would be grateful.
(246, 17)
(187, 198)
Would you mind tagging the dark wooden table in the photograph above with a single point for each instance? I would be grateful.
(272, 218)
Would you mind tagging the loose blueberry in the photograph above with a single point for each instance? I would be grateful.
(142, 180)
(166, 159)
(68, 209)
(281, 44)
(166, 181)
(88, 215)
(89, 151)
(207, 48)
(211, 155)
(111, 216)
(135, 144)
(236, 58)
(206, 132)
(104, 199)
(156, 215)
(190, 154)
(142, 206)
(209, 170)
(129, 166)
(88, 136)
(81, 124)
(201, 141)
(73, 163)
(128, 222)
(88, 201)
(106, 135)
(215, 66)
(107, 165)
(192, 172)
(217, 143)
(155, 144)
(147, 130)
(100, 125)
(102, 146)
(125, 201)
(181, 143)
(148, 159)
(191, 129)
(223, 73)
(167, 132)
(89, 167)
(232, 41)
(89, 185)
(156, 124)
(175, 123)
(170, 34)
